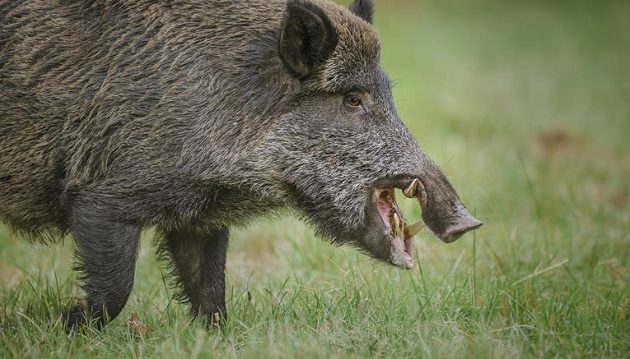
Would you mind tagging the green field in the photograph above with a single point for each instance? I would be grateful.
(526, 107)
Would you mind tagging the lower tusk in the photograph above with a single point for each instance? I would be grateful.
(413, 229)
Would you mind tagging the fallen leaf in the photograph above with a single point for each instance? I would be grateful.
(134, 324)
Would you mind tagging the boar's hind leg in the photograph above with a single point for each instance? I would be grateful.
(198, 261)
(106, 253)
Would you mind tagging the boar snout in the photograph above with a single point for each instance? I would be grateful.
(459, 223)
(442, 210)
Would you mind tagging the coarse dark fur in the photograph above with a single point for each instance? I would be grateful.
(191, 116)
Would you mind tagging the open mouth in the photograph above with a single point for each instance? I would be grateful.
(400, 233)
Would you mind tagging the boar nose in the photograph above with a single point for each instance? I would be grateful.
(460, 223)
(442, 209)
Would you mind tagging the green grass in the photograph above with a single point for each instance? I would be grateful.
(526, 106)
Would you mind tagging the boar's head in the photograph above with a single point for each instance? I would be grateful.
(341, 147)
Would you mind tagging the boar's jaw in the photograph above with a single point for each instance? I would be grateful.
(387, 236)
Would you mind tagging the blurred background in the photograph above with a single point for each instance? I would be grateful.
(526, 107)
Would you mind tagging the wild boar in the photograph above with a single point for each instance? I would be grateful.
(195, 116)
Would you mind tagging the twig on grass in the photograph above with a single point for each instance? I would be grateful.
(539, 272)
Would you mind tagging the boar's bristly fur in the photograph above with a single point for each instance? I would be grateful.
(193, 117)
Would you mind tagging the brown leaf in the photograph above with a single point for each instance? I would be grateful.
(134, 324)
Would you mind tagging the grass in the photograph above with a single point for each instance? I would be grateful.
(525, 106)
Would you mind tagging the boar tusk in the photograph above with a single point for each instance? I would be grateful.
(412, 189)
(395, 225)
(413, 229)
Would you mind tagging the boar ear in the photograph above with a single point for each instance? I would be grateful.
(363, 9)
(308, 38)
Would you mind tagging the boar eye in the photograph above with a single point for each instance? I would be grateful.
(353, 100)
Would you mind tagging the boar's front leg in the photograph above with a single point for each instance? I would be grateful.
(106, 251)
(199, 263)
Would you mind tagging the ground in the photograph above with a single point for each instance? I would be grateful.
(526, 107)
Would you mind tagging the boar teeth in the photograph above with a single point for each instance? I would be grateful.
(412, 189)
(395, 223)
(413, 229)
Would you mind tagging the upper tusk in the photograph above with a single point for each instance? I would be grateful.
(412, 189)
